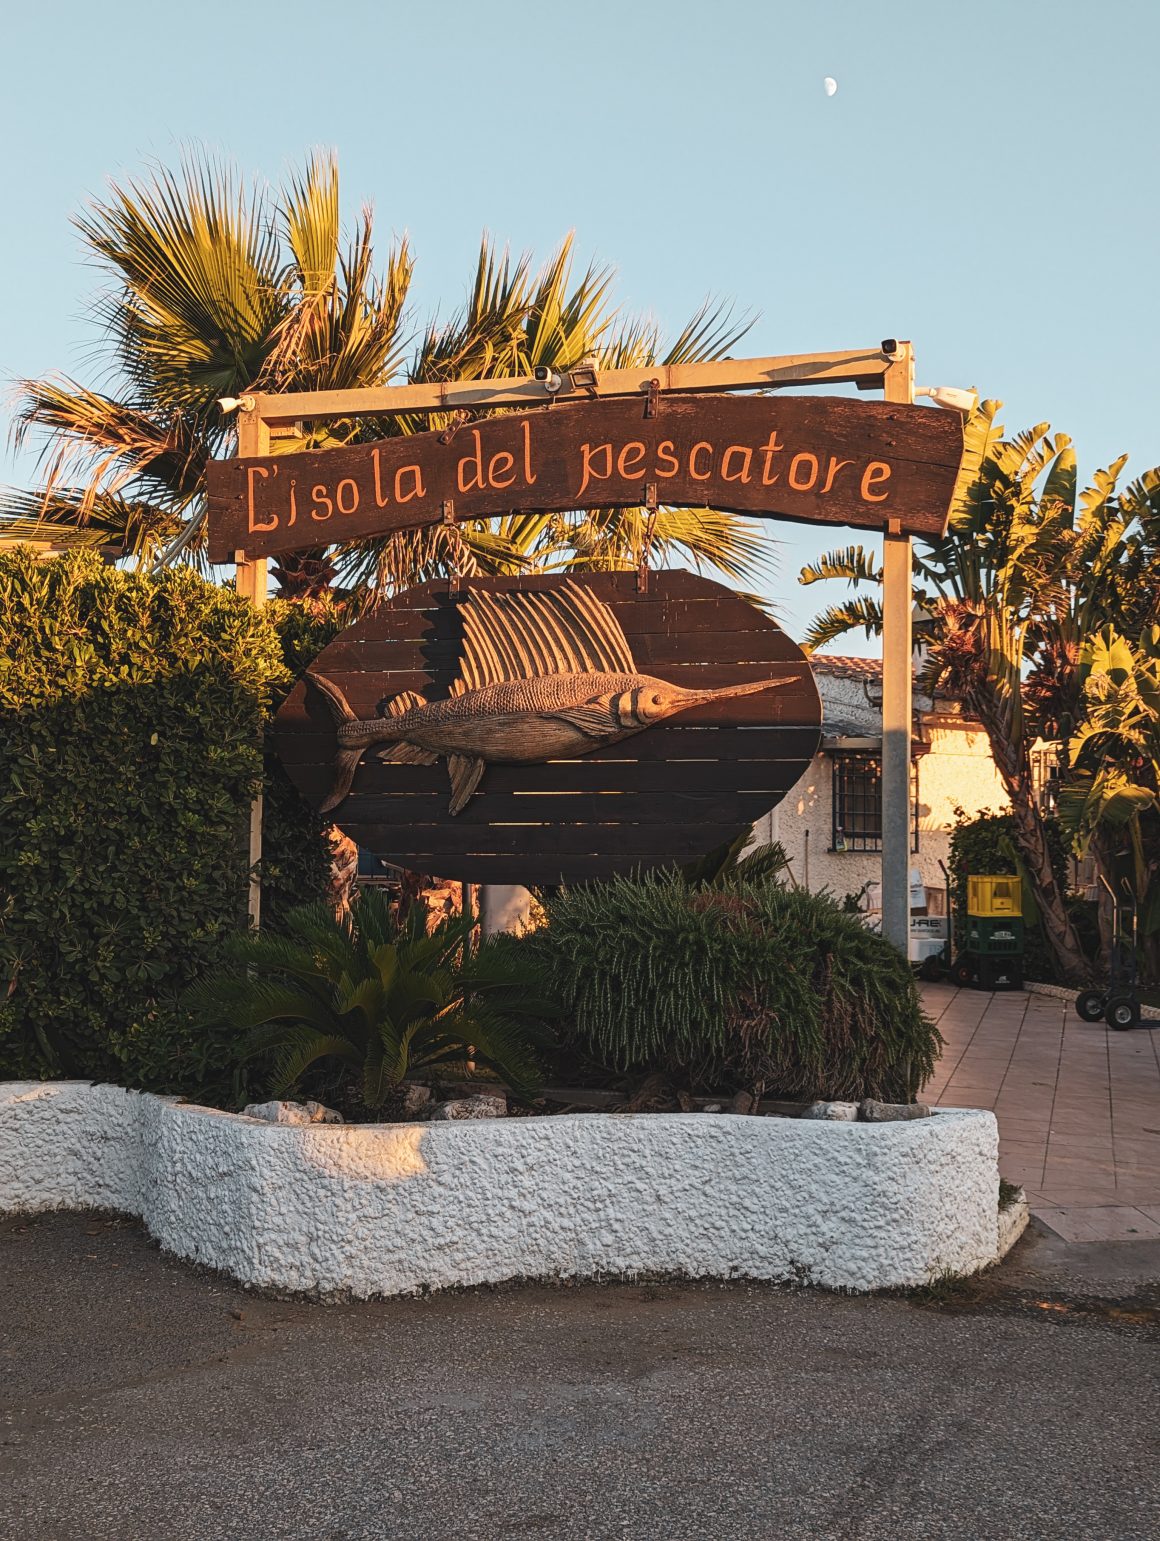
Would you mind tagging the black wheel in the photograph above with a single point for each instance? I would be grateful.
(962, 971)
(1090, 1005)
(931, 969)
(1123, 1012)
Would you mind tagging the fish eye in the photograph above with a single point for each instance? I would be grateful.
(656, 698)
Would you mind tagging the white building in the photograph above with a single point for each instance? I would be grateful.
(830, 824)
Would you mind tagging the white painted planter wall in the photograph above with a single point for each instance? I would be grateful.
(394, 1208)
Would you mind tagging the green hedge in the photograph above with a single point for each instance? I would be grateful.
(130, 717)
(749, 986)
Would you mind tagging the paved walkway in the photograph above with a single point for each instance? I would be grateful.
(1078, 1106)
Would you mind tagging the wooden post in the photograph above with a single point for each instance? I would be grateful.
(250, 581)
(897, 668)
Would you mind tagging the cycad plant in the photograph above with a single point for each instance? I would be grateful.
(377, 1000)
(1028, 569)
(216, 289)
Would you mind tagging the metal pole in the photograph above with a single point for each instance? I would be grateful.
(251, 582)
(897, 666)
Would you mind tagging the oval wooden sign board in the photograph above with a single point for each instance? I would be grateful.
(417, 725)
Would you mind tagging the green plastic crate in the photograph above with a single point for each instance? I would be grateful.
(991, 936)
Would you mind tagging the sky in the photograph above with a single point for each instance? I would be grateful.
(983, 182)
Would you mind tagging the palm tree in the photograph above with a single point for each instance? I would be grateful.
(1026, 571)
(217, 289)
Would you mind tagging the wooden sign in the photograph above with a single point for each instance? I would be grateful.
(818, 460)
(544, 730)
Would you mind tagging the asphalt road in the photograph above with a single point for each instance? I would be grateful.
(141, 1399)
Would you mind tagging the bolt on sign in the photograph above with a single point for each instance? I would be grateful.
(547, 729)
(818, 460)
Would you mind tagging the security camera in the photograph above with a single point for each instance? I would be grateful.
(891, 349)
(548, 378)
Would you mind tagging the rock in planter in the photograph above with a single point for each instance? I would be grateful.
(742, 1102)
(292, 1113)
(416, 1100)
(483, 1105)
(833, 1112)
(891, 1112)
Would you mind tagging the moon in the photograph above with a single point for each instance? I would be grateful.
(829, 85)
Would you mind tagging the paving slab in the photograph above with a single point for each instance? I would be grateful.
(1078, 1105)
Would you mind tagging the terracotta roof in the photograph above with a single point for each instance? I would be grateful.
(846, 667)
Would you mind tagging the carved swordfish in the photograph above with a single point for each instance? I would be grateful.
(543, 676)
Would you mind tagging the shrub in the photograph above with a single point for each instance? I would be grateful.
(749, 986)
(130, 715)
(375, 999)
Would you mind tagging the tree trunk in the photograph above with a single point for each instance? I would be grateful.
(1015, 773)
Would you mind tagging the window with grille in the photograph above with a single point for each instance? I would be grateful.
(857, 802)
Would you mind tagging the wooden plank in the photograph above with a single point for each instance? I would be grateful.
(590, 775)
(862, 366)
(824, 460)
(489, 809)
(709, 745)
(545, 840)
(532, 870)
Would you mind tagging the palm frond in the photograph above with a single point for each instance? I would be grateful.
(839, 620)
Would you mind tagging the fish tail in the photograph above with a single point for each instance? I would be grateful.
(345, 765)
(346, 761)
(339, 705)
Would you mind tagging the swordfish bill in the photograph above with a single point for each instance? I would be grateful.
(542, 676)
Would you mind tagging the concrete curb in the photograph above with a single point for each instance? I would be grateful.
(387, 1209)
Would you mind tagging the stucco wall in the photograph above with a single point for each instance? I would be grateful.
(389, 1209)
(957, 772)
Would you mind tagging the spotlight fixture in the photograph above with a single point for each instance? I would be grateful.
(951, 397)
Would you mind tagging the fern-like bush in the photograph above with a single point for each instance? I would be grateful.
(373, 1001)
(749, 986)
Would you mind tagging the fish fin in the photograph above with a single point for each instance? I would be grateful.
(406, 754)
(593, 719)
(405, 701)
(465, 771)
(345, 765)
(524, 635)
(339, 705)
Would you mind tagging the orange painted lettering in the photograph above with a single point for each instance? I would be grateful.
(501, 464)
(665, 450)
(321, 499)
(529, 478)
(700, 476)
(772, 446)
(630, 473)
(380, 499)
(474, 463)
(251, 472)
(588, 454)
(803, 459)
(877, 471)
(417, 488)
(352, 497)
(832, 470)
(746, 455)
(293, 520)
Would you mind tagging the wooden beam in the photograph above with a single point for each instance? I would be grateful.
(251, 582)
(859, 367)
(897, 669)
